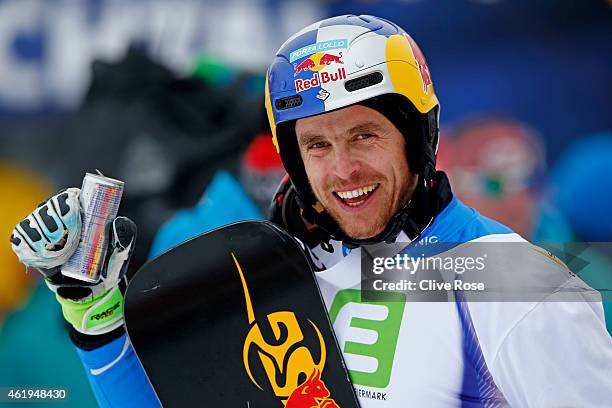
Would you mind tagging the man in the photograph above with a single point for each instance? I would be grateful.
(355, 118)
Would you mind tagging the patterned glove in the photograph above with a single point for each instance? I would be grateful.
(47, 238)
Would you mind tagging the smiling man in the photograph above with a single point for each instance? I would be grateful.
(359, 144)
(357, 168)
(354, 116)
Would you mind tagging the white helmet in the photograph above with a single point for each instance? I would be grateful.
(346, 60)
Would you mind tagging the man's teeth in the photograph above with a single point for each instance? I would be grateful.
(345, 195)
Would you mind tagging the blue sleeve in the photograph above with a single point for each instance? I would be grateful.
(116, 376)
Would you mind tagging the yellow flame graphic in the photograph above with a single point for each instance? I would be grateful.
(285, 356)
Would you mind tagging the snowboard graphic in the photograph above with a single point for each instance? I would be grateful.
(234, 318)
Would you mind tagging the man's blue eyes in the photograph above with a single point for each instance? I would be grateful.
(320, 145)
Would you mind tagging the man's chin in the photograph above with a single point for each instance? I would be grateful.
(360, 233)
(357, 226)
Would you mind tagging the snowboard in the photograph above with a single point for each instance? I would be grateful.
(234, 318)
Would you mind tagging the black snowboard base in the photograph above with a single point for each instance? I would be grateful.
(234, 318)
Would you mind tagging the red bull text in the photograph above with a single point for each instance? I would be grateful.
(318, 79)
(318, 63)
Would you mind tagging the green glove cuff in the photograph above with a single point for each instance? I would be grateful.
(100, 315)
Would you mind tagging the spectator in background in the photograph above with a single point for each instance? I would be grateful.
(260, 173)
(498, 166)
(163, 134)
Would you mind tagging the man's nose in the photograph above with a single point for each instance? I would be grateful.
(346, 164)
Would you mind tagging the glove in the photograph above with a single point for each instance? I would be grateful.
(48, 237)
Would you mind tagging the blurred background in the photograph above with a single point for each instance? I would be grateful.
(168, 96)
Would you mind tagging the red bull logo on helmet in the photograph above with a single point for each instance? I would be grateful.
(317, 63)
(420, 63)
(317, 58)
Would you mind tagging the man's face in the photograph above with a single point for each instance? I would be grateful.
(356, 164)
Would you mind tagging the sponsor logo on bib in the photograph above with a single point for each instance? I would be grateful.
(371, 330)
